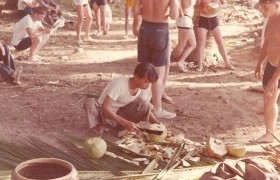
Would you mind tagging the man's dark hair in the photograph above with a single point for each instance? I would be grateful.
(146, 69)
(39, 10)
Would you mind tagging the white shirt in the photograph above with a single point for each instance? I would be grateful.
(20, 29)
(118, 91)
(22, 4)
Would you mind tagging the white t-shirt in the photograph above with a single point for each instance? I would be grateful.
(20, 27)
(118, 91)
(80, 2)
(22, 4)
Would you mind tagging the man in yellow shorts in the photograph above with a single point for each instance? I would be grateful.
(128, 11)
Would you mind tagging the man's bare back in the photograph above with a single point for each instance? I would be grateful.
(272, 40)
(187, 7)
(157, 10)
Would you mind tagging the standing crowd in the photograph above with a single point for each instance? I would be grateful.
(127, 100)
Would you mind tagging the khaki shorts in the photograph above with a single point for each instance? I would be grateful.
(136, 111)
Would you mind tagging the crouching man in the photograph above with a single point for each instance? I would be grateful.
(8, 70)
(124, 101)
(30, 33)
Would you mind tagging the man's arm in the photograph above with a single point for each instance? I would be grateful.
(137, 8)
(38, 32)
(261, 60)
(197, 5)
(174, 9)
(108, 113)
(152, 119)
(137, 20)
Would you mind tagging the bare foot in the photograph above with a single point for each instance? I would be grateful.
(182, 67)
(97, 34)
(229, 66)
(267, 138)
(17, 74)
(166, 98)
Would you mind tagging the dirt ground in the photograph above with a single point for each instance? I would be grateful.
(216, 102)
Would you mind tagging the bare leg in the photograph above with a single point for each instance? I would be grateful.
(157, 89)
(17, 74)
(88, 15)
(126, 24)
(167, 68)
(187, 51)
(80, 13)
(34, 46)
(43, 41)
(103, 17)
(183, 36)
(97, 18)
(219, 41)
(270, 116)
(201, 42)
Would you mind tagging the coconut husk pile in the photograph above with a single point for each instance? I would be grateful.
(274, 152)
(163, 152)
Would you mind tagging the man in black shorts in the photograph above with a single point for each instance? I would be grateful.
(99, 8)
(270, 55)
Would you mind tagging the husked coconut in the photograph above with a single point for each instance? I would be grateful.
(157, 138)
(95, 147)
(215, 148)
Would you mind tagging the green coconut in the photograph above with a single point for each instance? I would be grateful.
(236, 150)
(95, 147)
(213, 8)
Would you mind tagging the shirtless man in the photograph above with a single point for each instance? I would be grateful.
(99, 7)
(83, 10)
(208, 21)
(270, 53)
(186, 37)
(153, 43)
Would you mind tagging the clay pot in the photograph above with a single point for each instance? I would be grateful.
(45, 168)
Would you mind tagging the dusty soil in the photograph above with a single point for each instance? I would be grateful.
(216, 102)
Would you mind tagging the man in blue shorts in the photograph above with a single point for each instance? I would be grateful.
(153, 43)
